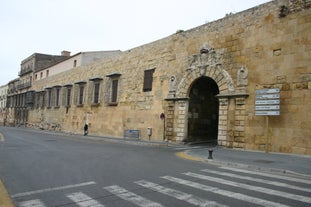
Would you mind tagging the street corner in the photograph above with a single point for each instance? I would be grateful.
(5, 199)
(186, 156)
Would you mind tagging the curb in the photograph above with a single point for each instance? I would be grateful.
(185, 155)
(5, 199)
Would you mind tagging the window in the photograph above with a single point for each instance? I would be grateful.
(75, 63)
(49, 101)
(57, 94)
(81, 93)
(113, 85)
(148, 77)
(47, 73)
(42, 99)
(96, 93)
(41, 74)
(114, 91)
(68, 96)
(95, 90)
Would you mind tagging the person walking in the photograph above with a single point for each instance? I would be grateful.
(86, 129)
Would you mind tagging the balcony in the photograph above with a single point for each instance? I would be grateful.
(24, 85)
(25, 71)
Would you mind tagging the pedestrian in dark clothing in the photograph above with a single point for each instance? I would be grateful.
(86, 128)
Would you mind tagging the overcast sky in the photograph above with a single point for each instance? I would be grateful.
(50, 26)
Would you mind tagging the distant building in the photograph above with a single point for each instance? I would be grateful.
(37, 67)
(3, 101)
(79, 59)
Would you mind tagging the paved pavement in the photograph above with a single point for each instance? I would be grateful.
(257, 160)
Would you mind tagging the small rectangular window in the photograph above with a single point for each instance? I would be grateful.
(148, 77)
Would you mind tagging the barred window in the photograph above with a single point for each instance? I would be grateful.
(113, 88)
(57, 94)
(68, 96)
(81, 93)
(148, 77)
(95, 88)
(49, 98)
(114, 91)
(96, 93)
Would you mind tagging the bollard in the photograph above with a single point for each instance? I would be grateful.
(210, 154)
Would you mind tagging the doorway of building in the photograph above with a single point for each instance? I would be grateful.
(203, 111)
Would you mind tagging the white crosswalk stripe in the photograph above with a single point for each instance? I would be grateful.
(298, 180)
(251, 187)
(32, 203)
(84, 200)
(275, 186)
(131, 197)
(178, 194)
(230, 194)
(243, 177)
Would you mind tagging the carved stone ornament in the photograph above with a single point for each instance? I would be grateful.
(242, 76)
(172, 86)
(207, 58)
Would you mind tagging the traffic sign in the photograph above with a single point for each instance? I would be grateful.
(267, 113)
(267, 102)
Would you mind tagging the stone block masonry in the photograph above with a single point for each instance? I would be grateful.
(262, 47)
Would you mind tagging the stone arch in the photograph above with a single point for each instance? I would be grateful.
(225, 85)
(206, 64)
(219, 75)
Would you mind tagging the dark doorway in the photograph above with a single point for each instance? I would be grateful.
(203, 111)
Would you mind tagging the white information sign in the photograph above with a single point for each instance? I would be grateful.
(267, 102)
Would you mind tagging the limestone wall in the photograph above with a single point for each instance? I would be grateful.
(275, 51)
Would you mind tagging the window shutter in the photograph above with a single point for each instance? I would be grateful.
(148, 77)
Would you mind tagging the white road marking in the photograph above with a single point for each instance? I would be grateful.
(32, 203)
(252, 188)
(131, 197)
(298, 180)
(239, 196)
(178, 194)
(259, 180)
(84, 200)
(52, 189)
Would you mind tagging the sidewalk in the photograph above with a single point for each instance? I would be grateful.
(276, 162)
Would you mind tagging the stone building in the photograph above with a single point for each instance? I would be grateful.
(196, 85)
(20, 93)
(37, 67)
(76, 60)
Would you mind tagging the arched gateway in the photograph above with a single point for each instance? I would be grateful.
(203, 111)
(198, 104)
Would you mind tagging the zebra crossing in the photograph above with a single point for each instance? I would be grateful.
(205, 187)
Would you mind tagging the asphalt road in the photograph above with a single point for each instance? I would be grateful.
(40, 169)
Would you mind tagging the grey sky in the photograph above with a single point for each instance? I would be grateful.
(50, 26)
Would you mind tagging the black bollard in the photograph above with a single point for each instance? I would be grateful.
(210, 154)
